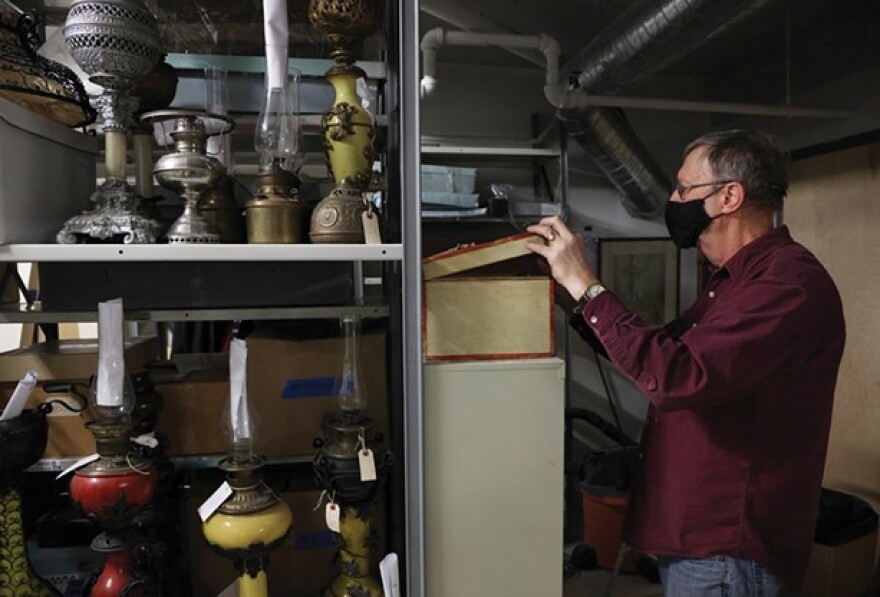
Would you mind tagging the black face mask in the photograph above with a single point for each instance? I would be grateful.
(685, 220)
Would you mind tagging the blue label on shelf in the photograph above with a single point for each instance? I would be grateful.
(313, 387)
(314, 540)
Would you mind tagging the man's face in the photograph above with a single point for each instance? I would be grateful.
(695, 179)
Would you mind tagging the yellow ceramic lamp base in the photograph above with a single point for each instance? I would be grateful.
(354, 557)
(235, 534)
(348, 130)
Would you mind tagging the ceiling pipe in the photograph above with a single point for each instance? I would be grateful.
(438, 36)
(647, 37)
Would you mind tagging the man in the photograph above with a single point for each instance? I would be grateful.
(740, 385)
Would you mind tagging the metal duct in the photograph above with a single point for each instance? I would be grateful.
(646, 38)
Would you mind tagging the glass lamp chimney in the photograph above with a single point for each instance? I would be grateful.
(116, 406)
(278, 131)
(350, 391)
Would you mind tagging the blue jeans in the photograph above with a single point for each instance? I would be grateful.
(718, 576)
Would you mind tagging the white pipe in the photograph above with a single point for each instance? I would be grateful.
(466, 19)
(561, 98)
(438, 36)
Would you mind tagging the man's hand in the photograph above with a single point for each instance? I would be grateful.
(566, 255)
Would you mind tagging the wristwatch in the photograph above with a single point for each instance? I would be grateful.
(592, 291)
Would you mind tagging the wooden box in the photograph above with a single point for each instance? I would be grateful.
(473, 317)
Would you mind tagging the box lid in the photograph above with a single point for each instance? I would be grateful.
(463, 258)
(14, 115)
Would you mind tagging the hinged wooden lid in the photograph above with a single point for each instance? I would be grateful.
(467, 257)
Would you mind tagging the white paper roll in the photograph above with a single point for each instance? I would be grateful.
(276, 34)
(111, 356)
(238, 401)
(19, 396)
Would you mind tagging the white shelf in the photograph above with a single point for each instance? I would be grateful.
(35, 314)
(54, 465)
(466, 150)
(184, 252)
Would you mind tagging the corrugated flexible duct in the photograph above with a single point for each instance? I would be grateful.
(646, 38)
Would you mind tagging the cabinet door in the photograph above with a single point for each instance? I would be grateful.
(494, 478)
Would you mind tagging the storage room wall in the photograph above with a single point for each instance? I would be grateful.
(833, 210)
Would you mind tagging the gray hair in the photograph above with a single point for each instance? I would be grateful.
(752, 158)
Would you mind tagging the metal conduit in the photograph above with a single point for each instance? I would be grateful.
(646, 38)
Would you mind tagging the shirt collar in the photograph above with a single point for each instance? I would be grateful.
(756, 251)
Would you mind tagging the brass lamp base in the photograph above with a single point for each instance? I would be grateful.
(337, 217)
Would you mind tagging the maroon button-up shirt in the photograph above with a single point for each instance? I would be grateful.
(741, 387)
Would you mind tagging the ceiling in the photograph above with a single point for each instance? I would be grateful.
(813, 53)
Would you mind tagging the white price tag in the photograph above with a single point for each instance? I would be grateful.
(231, 590)
(215, 501)
(390, 572)
(372, 236)
(148, 439)
(331, 514)
(78, 464)
(367, 464)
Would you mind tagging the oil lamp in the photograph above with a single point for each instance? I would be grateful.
(252, 521)
(347, 128)
(117, 485)
(116, 42)
(188, 170)
(217, 204)
(350, 466)
(276, 214)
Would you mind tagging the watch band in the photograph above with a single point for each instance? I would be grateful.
(592, 291)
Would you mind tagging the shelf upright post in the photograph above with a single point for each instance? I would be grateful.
(410, 160)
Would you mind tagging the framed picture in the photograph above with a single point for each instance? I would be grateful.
(643, 273)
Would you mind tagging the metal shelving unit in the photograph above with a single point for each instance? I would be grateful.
(183, 252)
(400, 261)
(493, 152)
(55, 465)
(34, 314)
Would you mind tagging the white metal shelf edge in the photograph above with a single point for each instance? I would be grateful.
(526, 152)
(183, 252)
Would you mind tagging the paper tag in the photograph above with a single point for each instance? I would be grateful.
(111, 354)
(390, 572)
(231, 590)
(239, 412)
(367, 464)
(372, 236)
(19, 396)
(331, 515)
(78, 464)
(146, 439)
(216, 500)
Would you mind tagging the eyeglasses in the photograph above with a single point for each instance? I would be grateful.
(682, 189)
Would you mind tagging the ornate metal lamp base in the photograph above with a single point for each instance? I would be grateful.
(116, 216)
(191, 228)
(337, 217)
